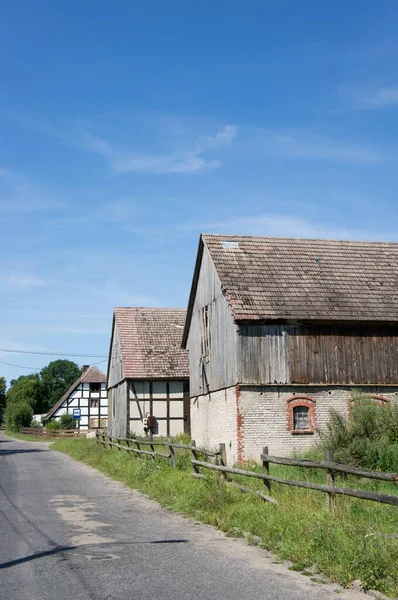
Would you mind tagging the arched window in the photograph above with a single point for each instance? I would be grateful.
(301, 415)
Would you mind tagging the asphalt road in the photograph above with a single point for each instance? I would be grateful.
(70, 533)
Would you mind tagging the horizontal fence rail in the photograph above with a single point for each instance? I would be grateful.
(53, 432)
(129, 443)
(365, 495)
(220, 465)
(347, 469)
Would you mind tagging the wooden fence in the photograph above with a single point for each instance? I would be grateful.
(134, 445)
(62, 433)
(220, 465)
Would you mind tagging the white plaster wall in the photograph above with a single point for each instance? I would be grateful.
(213, 421)
(264, 411)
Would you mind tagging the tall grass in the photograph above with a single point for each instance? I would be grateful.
(353, 544)
(368, 439)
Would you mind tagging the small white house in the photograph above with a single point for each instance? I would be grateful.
(87, 394)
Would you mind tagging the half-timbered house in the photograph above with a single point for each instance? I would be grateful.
(88, 394)
(148, 373)
(280, 331)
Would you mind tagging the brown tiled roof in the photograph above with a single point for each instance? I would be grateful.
(91, 375)
(150, 340)
(303, 279)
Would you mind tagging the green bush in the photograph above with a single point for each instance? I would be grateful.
(67, 422)
(52, 425)
(36, 424)
(18, 415)
(368, 439)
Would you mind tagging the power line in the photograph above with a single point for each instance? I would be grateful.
(55, 353)
(38, 369)
(19, 366)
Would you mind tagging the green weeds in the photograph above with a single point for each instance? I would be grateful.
(356, 543)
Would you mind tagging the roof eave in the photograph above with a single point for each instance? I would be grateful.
(192, 294)
(110, 349)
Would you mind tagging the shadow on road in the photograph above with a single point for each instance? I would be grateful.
(20, 451)
(24, 559)
(58, 549)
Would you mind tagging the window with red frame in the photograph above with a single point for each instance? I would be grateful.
(301, 414)
(301, 418)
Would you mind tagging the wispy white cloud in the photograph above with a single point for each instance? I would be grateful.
(189, 159)
(18, 194)
(223, 137)
(369, 98)
(383, 97)
(268, 224)
(183, 156)
(298, 145)
(293, 226)
(21, 280)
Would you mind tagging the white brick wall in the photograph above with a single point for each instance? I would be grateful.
(213, 421)
(264, 411)
(264, 417)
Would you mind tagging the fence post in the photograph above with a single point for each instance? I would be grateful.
(223, 461)
(330, 482)
(153, 449)
(267, 483)
(195, 455)
(172, 454)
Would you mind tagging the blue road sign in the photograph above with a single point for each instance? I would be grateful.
(77, 413)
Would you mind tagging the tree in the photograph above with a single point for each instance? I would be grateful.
(3, 386)
(25, 390)
(55, 379)
(18, 415)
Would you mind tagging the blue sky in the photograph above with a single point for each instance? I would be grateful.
(127, 128)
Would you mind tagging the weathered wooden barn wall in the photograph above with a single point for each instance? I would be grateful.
(315, 354)
(343, 354)
(220, 370)
(263, 352)
(115, 373)
(118, 417)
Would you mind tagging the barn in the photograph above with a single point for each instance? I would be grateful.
(148, 373)
(280, 331)
(87, 393)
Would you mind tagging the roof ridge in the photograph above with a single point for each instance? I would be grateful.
(297, 238)
(160, 308)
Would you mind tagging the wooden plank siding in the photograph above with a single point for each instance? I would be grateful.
(264, 354)
(318, 354)
(115, 369)
(219, 370)
(344, 355)
(118, 417)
